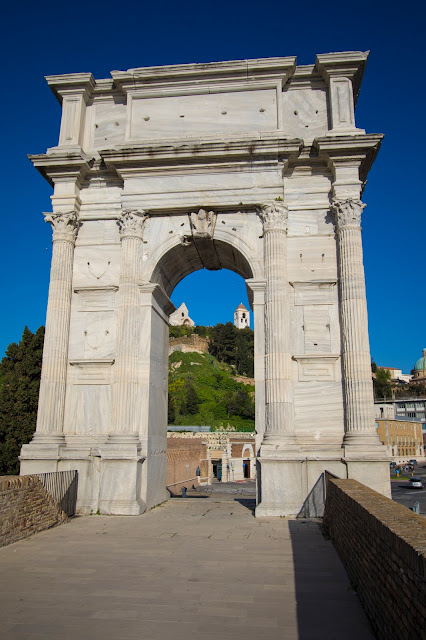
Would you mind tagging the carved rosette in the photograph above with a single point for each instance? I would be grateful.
(65, 226)
(347, 213)
(131, 223)
(274, 217)
(203, 223)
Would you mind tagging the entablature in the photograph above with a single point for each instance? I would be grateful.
(128, 161)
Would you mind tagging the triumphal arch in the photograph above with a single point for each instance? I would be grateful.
(251, 165)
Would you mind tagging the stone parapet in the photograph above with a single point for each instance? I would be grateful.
(26, 508)
(382, 545)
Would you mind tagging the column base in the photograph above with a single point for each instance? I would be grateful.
(373, 473)
(280, 447)
(123, 438)
(48, 438)
(363, 445)
(114, 478)
(42, 454)
(280, 487)
(296, 487)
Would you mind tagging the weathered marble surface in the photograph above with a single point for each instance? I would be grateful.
(161, 146)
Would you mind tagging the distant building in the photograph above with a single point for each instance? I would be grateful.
(241, 317)
(397, 375)
(402, 438)
(401, 408)
(419, 371)
(197, 458)
(181, 317)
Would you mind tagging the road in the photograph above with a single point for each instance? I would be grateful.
(405, 495)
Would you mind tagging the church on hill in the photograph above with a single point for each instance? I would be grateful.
(181, 317)
(241, 317)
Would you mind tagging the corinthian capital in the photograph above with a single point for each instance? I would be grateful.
(65, 226)
(347, 212)
(274, 217)
(131, 223)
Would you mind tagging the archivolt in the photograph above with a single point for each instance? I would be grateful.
(173, 261)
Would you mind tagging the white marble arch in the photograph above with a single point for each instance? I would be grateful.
(251, 165)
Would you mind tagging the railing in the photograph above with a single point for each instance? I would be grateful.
(62, 486)
(173, 484)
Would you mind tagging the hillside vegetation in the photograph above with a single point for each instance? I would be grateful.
(202, 392)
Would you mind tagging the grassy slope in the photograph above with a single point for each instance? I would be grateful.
(212, 382)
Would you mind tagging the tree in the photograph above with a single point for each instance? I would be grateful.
(244, 358)
(20, 372)
(222, 343)
(192, 399)
(171, 411)
(382, 383)
(233, 346)
(239, 403)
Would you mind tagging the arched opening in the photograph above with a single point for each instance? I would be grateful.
(183, 259)
(208, 450)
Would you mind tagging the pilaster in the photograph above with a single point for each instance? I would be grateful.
(360, 428)
(258, 288)
(125, 370)
(279, 427)
(50, 415)
(349, 158)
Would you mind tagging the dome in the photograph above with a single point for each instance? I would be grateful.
(421, 362)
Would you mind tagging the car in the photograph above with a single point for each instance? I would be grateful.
(412, 461)
(416, 483)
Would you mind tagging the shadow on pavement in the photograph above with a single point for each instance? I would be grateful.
(327, 605)
(249, 503)
(188, 496)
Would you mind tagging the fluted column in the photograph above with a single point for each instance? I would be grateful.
(358, 387)
(50, 417)
(125, 385)
(279, 427)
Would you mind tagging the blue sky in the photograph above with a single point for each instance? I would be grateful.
(46, 38)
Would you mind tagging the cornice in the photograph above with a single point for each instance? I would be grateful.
(131, 79)
(63, 166)
(306, 77)
(362, 148)
(347, 64)
(129, 160)
(71, 83)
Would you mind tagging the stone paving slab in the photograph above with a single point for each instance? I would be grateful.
(201, 568)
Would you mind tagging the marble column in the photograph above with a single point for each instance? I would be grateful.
(360, 431)
(51, 404)
(279, 427)
(125, 371)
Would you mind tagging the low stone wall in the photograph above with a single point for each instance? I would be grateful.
(184, 454)
(382, 545)
(188, 344)
(26, 508)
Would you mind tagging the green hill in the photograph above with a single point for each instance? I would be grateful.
(202, 392)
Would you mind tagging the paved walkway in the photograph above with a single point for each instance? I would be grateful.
(201, 568)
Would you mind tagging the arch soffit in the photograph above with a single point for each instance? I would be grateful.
(170, 263)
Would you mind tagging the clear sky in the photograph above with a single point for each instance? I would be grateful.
(46, 38)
